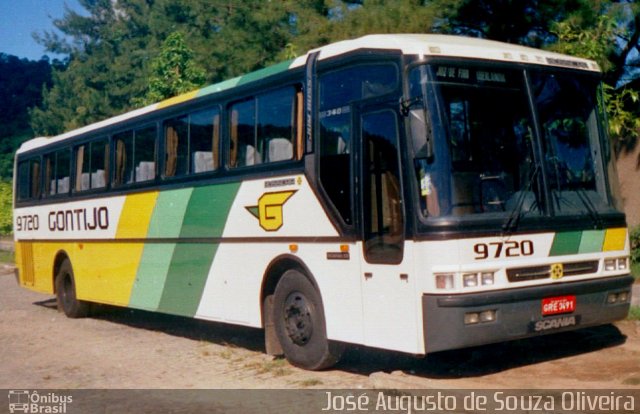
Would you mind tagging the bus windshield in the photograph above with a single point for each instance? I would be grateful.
(475, 149)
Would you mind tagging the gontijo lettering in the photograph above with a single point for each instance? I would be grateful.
(79, 219)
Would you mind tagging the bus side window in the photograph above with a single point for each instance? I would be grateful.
(135, 156)
(275, 129)
(242, 146)
(29, 179)
(92, 165)
(99, 164)
(24, 182)
(265, 128)
(176, 144)
(124, 158)
(204, 140)
(57, 172)
(338, 90)
(145, 154)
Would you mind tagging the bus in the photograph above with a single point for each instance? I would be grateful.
(414, 193)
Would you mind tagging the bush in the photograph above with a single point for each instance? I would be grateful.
(6, 217)
(634, 239)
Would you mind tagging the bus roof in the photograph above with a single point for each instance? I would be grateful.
(422, 45)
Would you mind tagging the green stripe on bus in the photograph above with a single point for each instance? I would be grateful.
(240, 80)
(166, 221)
(218, 87)
(566, 243)
(263, 73)
(208, 209)
(205, 216)
(187, 277)
(169, 212)
(591, 241)
(152, 275)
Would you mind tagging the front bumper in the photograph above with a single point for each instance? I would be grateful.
(518, 312)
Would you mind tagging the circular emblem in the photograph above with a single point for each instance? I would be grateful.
(557, 271)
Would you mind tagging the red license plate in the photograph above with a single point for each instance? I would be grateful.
(558, 305)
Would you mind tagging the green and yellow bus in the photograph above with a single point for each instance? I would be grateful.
(415, 193)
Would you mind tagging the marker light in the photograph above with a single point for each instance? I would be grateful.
(616, 263)
(622, 263)
(609, 264)
(470, 280)
(487, 278)
(444, 281)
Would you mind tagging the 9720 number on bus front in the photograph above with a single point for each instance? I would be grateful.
(496, 250)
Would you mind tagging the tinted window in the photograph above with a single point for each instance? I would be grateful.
(176, 146)
(204, 140)
(567, 108)
(57, 172)
(135, 156)
(338, 89)
(262, 128)
(29, 173)
(92, 165)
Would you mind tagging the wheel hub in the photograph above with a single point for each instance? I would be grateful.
(297, 318)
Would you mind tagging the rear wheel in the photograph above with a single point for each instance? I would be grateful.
(300, 323)
(66, 293)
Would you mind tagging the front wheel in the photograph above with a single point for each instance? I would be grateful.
(66, 293)
(300, 323)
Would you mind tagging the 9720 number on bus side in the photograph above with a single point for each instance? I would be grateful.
(27, 223)
(496, 250)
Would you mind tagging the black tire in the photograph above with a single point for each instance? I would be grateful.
(66, 293)
(300, 323)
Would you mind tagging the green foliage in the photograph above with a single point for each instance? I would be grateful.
(634, 313)
(598, 42)
(21, 84)
(634, 239)
(174, 71)
(595, 42)
(6, 204)
(624, 122)
(112, 46)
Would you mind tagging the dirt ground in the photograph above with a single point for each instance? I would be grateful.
(121, 348)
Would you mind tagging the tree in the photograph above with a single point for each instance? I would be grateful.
(6, 204)
(174, 71)
(21, 85)
(599, 42)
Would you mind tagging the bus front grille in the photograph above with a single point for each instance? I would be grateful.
(521, 274)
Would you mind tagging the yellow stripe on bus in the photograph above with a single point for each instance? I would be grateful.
(178, 99)
(614, 239)
(109, 268)
(136, 215)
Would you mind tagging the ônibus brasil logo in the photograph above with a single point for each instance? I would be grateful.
(24, 401)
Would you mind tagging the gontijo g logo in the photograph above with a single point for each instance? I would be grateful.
(269, 209)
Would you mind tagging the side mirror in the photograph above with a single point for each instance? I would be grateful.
(421, 134)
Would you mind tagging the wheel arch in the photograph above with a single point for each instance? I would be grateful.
(274, 271)
(61, 255)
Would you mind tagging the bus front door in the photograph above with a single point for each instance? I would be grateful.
(388, 287)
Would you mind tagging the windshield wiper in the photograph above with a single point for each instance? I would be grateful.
(591, 209)
(516, 214)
